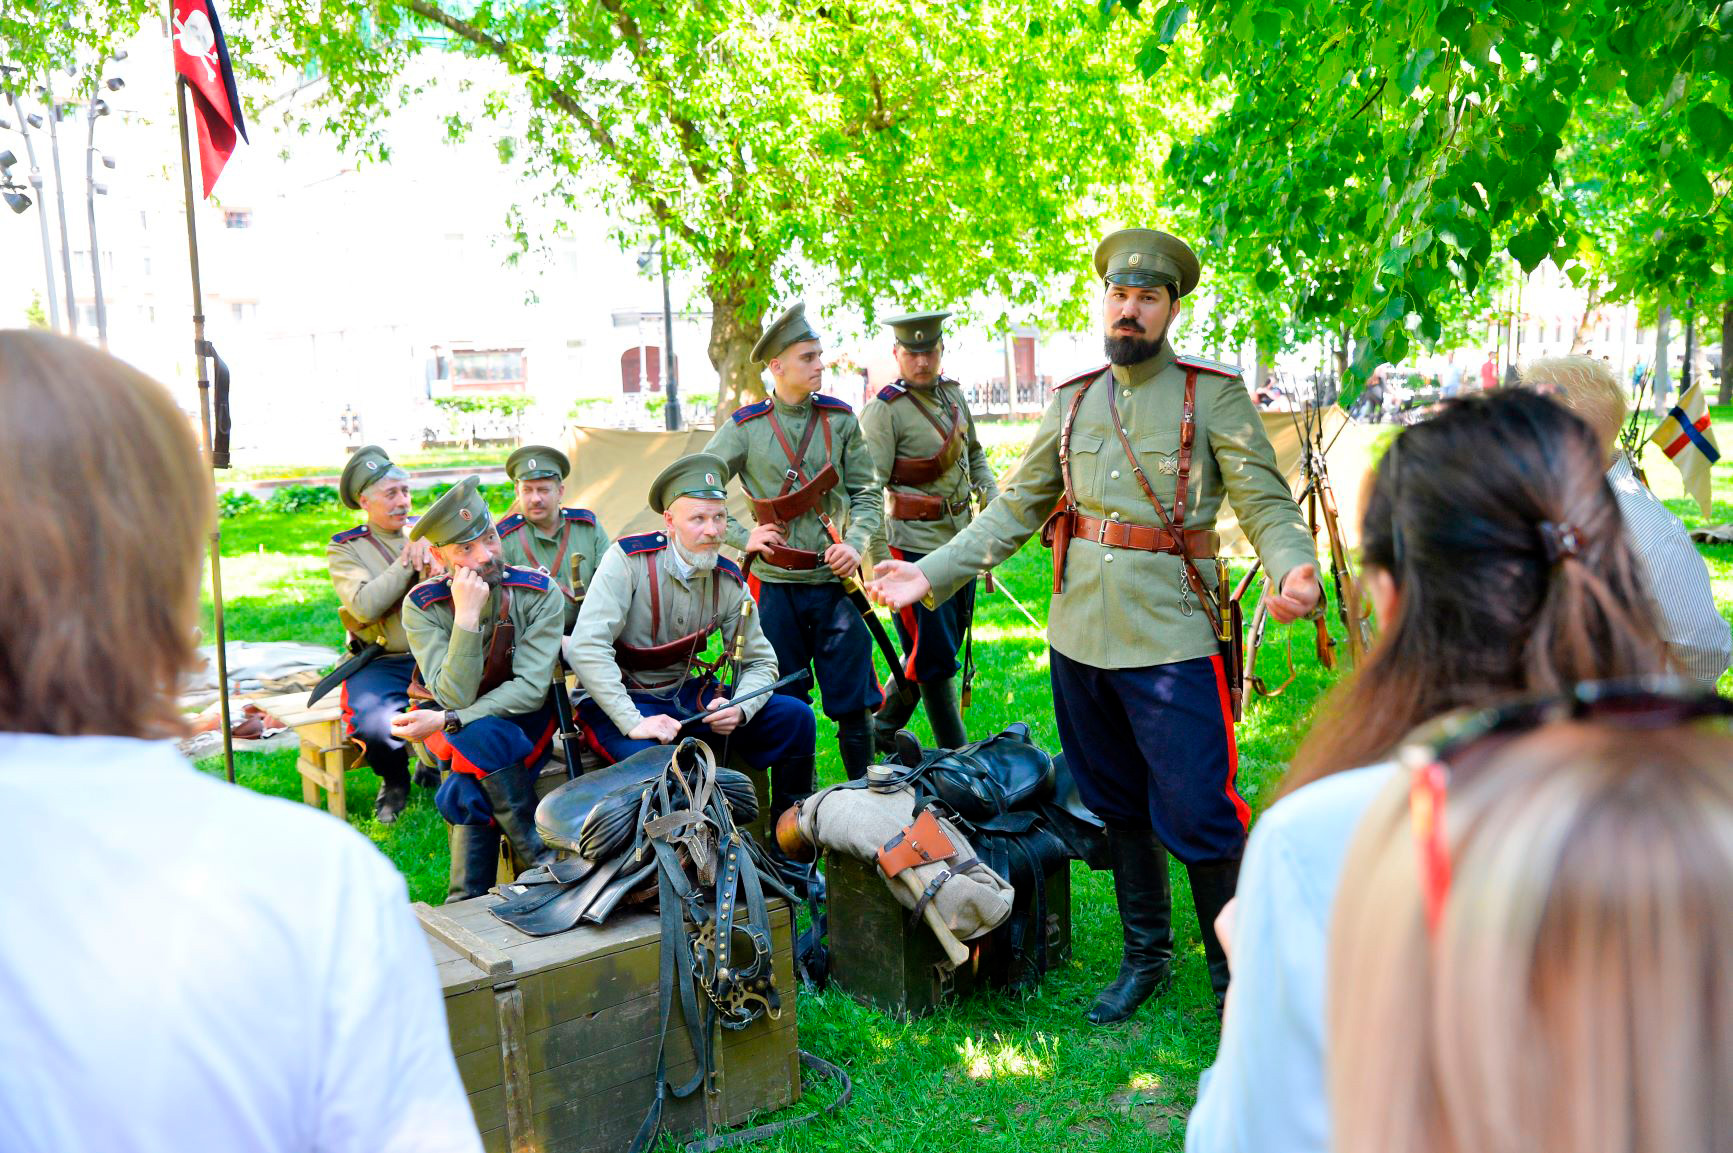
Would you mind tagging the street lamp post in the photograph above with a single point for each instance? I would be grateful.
(35, 178)
(98, 109)
(670, 372)
(60, 203)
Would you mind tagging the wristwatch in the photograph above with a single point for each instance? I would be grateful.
(453, 722)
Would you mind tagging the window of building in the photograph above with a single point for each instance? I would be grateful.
(488, 367)
(242, 311)
(237, 218)
(640, 367)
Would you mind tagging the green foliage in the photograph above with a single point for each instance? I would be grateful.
(234, 502)
(34, 316)
(293, 498)
(496, 404)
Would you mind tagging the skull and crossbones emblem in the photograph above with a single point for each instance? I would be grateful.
(198, 39)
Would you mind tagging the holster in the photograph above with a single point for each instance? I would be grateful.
(921, 843)
(1234, 653)
(917, 506)
(785, 508)
(792, 558)
(1056, 535)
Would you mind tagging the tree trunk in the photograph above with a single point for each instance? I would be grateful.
(1580, 337)
(1726, 394)
(1663, 378)
(733, 332)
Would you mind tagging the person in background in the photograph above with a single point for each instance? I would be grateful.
(1496, 561)
(1529, 950)
(1696, 634)
(1489, 374)
(187, 965)
(1451, 380)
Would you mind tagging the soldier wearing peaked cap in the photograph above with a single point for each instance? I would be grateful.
(563, 543)
(1138, 456)
(372, 566)
(669, 630)
(816, 497)
(485, 639)
(923, 443)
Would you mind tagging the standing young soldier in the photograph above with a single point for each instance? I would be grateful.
(923, 442)
(1138, 456)
(816, 496)
(372, 566)
(563, 543)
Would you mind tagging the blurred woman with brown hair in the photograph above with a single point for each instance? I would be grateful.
(1494, 554)
(1529, 954)
(185, 964)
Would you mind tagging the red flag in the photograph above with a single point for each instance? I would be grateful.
(202, 56)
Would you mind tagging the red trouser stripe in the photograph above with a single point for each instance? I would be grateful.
(912, 624)
(1241, 809)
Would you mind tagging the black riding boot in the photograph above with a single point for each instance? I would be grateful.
(888, 720)
(512, 792)
(854, 737)
(392, 765)
(1212, 885)
(791, 782)
(943, 713)
(474, 861)
(1146, 917)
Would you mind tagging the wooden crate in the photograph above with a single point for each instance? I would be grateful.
(881, 957)
(555, 1037)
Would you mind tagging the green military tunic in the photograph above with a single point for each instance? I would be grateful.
(618, 609)
(451, 660)
(1123, 608)
(894, 426)
(749, 446)
(372, 576)
(578, 535)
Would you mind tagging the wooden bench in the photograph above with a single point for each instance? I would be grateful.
(326, 754)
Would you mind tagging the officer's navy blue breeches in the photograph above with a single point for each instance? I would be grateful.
(780, 737)
(370, 698)
(817, 625)
(484, 746)
(1153, 748)
(932, 638)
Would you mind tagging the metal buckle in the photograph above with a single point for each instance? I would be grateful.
(1101, 533)
(791, 476)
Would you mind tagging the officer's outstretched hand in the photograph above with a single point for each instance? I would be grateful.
(659, 728)
(468, 598)
(897, 584)
(842, 559)
(1299, 596)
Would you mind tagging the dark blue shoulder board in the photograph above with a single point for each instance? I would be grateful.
(429, 593)
(510, 524)
(642, 543)
(581, 515)
(349, 534)
(723, 564)
(892, 391)
(526, 578)
(831, 402)
(742, 415)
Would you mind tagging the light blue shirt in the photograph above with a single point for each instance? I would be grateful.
(1266, 1092)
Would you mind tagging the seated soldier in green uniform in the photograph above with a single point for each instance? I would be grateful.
(564, 543)
(485, 639)
(923, 443)
(669, 630)
(372, 566)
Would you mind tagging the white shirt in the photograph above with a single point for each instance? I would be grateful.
(1266, 1092)
(187, 966)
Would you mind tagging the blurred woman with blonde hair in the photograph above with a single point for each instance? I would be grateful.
(1530, 946)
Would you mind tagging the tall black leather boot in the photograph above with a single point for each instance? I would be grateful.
(1212, 886)
(1146, 918)
(392, 765)
(474, 861)
(888, 720)
(512, 792)
(943, 713)
(854, 738)
(791, 782)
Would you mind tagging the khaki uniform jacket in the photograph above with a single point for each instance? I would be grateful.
(527, 546)
(748, 444)
(371, 584)
(451, 659)
(1121, 608)
(894, 427)
(618, 608)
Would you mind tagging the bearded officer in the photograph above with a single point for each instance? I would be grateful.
(485, 639)
(923, 442)
(1140, 685)
(563, 543)
(669, 630)
(816, 497)
(372, 566)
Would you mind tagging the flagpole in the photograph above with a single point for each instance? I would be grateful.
(208, 445)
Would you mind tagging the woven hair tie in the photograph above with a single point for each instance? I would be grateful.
(1560, 540)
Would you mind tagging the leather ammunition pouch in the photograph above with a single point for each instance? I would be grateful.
(792, 558)
(922, 506)
(785, 508)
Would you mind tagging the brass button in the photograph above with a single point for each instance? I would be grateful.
(1109, 558)
(1113, 515)
(1114, 474)
(1125, 392)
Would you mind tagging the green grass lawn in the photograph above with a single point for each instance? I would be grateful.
(994, 1072)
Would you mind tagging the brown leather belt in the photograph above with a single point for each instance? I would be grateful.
(792, 558)
(1200, 542)
(922, 506)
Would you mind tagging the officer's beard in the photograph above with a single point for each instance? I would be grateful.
(492, 573)
(1127, 344)
(701, 559)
